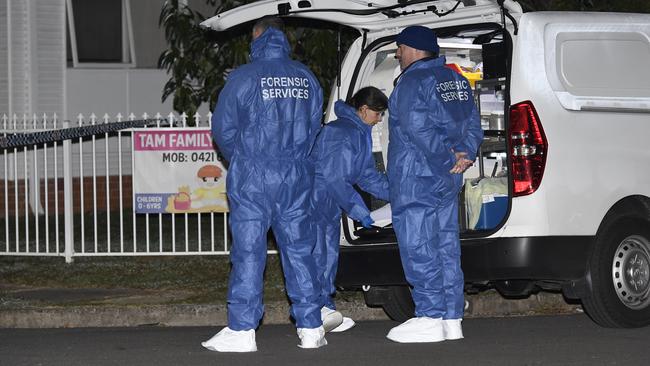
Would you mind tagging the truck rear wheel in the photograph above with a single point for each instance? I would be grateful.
(396, 301)
(399, 304)
(620, 276)
(515, 289)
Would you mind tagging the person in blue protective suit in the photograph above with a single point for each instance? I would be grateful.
(265, 123)
(435, 133)
(343, 158)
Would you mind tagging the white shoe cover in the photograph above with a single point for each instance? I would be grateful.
(331, 318)
(228, 340)
(311, 337)
(418, 330)
(452, 329)
(345, 325)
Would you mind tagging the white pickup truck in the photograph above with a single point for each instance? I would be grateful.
(559, 199)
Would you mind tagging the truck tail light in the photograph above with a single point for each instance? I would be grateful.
(528, 148)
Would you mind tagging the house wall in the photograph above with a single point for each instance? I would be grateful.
(32, 56)
(114, 91)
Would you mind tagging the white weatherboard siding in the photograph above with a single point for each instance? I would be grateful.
(4, 58)
(32, 57)
(48, 56)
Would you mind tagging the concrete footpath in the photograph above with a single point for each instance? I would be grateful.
(28, 307)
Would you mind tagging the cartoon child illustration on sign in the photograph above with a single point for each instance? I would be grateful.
(212, 189)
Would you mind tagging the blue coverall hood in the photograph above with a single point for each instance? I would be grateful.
(344, 110)
(272, 43)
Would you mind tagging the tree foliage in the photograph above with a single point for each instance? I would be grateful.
(196, 64)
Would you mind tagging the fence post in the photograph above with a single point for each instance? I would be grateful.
(68, 209)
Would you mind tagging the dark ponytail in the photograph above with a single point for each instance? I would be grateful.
(374, 98)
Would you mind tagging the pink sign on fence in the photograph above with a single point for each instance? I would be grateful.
(177, 171)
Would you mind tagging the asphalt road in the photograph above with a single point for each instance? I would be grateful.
(539, 340)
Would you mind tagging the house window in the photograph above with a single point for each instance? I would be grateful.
(100, 33)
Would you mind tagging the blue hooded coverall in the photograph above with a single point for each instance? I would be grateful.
(265, 123)
(432, 115)
(343, 158)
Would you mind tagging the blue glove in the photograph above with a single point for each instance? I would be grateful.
(367, 222)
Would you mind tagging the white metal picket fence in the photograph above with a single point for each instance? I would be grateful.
(73, 198)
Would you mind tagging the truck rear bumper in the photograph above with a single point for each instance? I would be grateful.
(555, 258)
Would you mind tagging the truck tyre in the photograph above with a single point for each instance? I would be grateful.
(398, 304)
(619, 270)
(515, 289)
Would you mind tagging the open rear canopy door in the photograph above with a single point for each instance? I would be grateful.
(371, 16)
